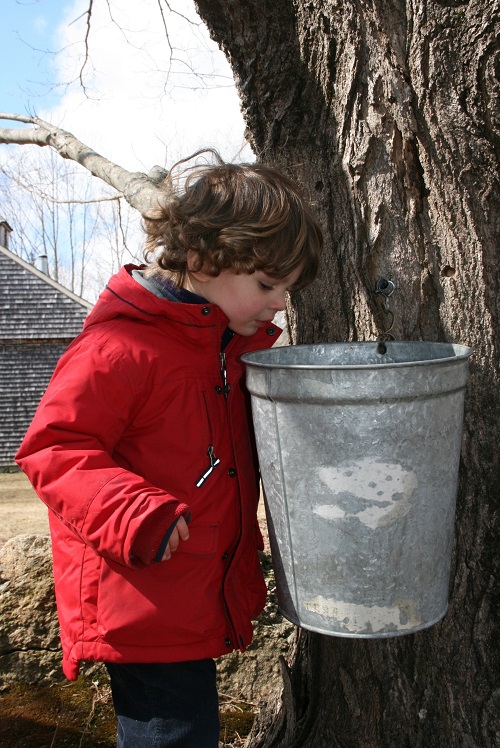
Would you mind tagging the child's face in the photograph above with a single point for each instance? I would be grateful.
(249, 301)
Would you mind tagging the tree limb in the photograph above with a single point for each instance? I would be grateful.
(136, 187)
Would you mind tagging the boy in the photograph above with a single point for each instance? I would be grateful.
(142, 450)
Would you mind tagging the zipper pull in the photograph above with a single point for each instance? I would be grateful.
(214, 461)
(223, 373)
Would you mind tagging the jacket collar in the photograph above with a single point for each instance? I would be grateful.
(124, 296)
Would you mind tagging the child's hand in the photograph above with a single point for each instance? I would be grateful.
(180, 532)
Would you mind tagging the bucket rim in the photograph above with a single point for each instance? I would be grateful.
(463, 352)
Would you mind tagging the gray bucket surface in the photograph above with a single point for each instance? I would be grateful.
(359, 452)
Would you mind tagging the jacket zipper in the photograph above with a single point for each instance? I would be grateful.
(235, 640)
(214, 461)
(223, 373)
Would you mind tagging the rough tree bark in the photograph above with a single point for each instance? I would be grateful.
(388, 112)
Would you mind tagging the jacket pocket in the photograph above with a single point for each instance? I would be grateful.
(173, 601)
(202, 541)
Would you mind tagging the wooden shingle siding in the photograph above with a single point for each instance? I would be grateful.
(38, 320)
(33, 306)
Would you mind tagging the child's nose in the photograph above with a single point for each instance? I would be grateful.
(279, 302)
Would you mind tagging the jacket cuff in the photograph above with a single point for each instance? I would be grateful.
(166, 538)
(151, 534)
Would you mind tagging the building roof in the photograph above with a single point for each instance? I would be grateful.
(38, 319)
(35, 307)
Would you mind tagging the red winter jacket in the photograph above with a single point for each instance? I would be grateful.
(124, 433)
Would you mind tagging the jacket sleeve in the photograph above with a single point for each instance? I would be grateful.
(68, 450)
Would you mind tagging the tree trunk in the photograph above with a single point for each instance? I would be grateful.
(388, 113)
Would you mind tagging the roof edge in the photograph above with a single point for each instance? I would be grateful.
(27, 266)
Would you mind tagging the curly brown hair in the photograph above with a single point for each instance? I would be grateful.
(242, 217)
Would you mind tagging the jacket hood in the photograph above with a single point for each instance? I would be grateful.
(125, 297)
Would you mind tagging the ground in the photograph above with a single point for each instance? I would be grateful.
(21, 511)
(71, 715)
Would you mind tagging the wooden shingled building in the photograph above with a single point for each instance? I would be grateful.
(38, 320)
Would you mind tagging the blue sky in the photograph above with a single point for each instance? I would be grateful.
(132, 111)
(142, 104)
(26, 43)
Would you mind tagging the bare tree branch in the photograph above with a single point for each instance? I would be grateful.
(136, 187)
(87, 13)
(75, 201)
(181, 15)
(166, 35)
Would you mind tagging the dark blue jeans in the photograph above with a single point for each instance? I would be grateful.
(172, 705)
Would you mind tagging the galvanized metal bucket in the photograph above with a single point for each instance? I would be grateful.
(359, 447)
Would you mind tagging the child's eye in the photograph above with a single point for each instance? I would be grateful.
(265, 286)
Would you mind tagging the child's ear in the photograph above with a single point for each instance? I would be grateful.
(191, 260)
(193, 268)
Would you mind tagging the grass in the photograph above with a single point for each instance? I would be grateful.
(80, 715)
(64, 715)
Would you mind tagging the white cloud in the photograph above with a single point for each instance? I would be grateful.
(145, 102)
(40, 24)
